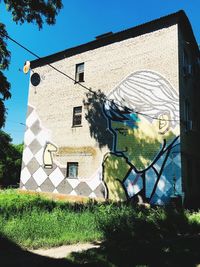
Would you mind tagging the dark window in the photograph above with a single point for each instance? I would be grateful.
(72, 169)
(77, 116)
(79, 72)
(188, 121)
(187, 66)
(185, 58)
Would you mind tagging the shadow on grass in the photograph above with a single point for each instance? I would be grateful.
(13, 255)
(141, 240)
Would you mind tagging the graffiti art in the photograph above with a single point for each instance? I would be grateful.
(143, 115)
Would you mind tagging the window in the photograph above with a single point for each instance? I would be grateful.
(188, 121)
(77, 116)
(187, 66)
(79, 72)
(72, 169)
(185, 58)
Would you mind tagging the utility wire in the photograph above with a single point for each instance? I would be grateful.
(35, 55)
(21, 123)
(85, 87)
(7, 36)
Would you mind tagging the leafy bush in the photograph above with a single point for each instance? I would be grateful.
(10, 161)
(125, 223)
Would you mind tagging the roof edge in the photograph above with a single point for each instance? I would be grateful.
(171, 19)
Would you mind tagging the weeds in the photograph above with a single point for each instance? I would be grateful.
(33, 221)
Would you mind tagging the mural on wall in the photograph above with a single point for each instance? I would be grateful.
(42, 172)
(47, 156)
(143, 115)
(144, 164)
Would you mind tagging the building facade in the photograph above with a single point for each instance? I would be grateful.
(117, 118)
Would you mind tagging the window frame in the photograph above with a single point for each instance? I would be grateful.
(79, 73)
(75, 115)
(75, 164)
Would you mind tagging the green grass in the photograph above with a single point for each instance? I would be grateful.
(145, 237)
(33, 221)
(46, 229)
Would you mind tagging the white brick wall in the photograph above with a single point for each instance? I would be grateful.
(105, 67)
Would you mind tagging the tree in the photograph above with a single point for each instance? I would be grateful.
(10, 161)
(31, 11)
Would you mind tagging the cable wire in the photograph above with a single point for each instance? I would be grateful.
(83, 86)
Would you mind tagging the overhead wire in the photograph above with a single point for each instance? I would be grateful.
(50, 65)
(82, 85)
(17, 122)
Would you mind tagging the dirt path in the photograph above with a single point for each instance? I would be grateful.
(63, 251)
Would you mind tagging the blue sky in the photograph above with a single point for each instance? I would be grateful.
(78, 22)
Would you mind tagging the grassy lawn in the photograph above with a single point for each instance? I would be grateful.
(130, 236)
(33, 221)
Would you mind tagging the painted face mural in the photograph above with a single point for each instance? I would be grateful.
(143, 114)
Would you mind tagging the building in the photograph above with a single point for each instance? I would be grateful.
(117, 117)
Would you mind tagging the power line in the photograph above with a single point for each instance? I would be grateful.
(7, 36)
(13, 131)
(85, 87)
(38, 57)
(21, 123)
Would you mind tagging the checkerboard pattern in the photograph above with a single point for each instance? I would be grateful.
(170, 183)
(35, 177)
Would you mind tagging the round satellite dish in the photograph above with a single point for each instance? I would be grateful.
(26, 67)
(35, 79)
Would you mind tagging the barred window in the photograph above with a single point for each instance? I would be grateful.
(77, 116)
(79, 72)
(72, 169)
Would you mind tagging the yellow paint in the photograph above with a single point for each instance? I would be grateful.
(74, 150)
(115, 169)
(141, 143)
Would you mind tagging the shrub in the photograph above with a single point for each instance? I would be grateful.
(10, 161)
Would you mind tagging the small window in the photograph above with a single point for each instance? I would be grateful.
(79, 72)
(188, 121)
(77, 116)
(72, 169)
(185, 58)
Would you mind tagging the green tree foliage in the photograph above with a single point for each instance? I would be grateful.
(31, 11)
(4, 84)
(10, 161)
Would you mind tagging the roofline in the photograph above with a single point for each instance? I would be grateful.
(166, 21)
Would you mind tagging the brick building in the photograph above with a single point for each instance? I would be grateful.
(126, 125)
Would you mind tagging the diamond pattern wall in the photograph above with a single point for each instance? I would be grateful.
(35, 177)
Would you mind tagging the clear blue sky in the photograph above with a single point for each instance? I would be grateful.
(79, 22)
